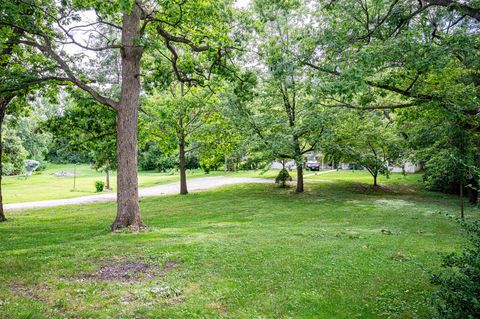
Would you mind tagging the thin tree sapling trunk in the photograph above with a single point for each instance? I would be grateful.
(107, 175)
(183, 167)
(374, 173)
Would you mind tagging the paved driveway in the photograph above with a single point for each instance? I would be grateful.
(194, 185)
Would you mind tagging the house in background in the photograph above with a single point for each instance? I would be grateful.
(313, 161)
(408, 167)
(317, 161)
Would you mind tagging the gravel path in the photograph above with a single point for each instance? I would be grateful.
(194, 185)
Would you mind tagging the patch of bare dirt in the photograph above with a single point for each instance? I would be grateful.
(399, 189)
(361, 187)
(21, 290)
(219, 307)
(129, 271)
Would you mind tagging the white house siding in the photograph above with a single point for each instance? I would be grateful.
(290, 165)
(409, 167)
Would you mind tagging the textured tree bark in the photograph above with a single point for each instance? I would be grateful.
(299, 188)
(299, 162)
(181, 151)
(4, 100)
(3, 106)
(183, 167)
(128, 211)
(107, 175)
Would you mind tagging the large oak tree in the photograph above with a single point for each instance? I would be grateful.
(129, 28)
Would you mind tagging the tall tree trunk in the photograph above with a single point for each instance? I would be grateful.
(128, 211)
(183, 167)
(3, 107)
(4, 100)
(299, 188)
(225, 165)
(299, 163)
(181, 143)
(375, 180)
(107, 174)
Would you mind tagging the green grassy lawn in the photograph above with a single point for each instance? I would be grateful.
(340, 250)
(44, 185)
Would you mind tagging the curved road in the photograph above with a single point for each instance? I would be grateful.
(194, 185)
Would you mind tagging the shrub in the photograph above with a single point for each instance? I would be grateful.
(458, 295)
(9, 169)
(13, 153)
(166, 163)
(442, 174)
(192, 162)
(206, 168)
(43, 166)
(152, 157)
(99, 186)
(283, 177)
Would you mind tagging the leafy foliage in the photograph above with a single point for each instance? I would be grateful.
(13, 153)
(152, 157)
(23, 138)
(99, 186)
(447, 150)
(366, 139)
(417, 60)
(273, 106)
(458, 294)
(84, 131)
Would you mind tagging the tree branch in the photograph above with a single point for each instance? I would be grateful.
(48, 50)
(172, 38)
(25, 85)
(461, 7)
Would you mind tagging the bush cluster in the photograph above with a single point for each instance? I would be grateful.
(283, 177)
(458, 294)
(99, 186)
